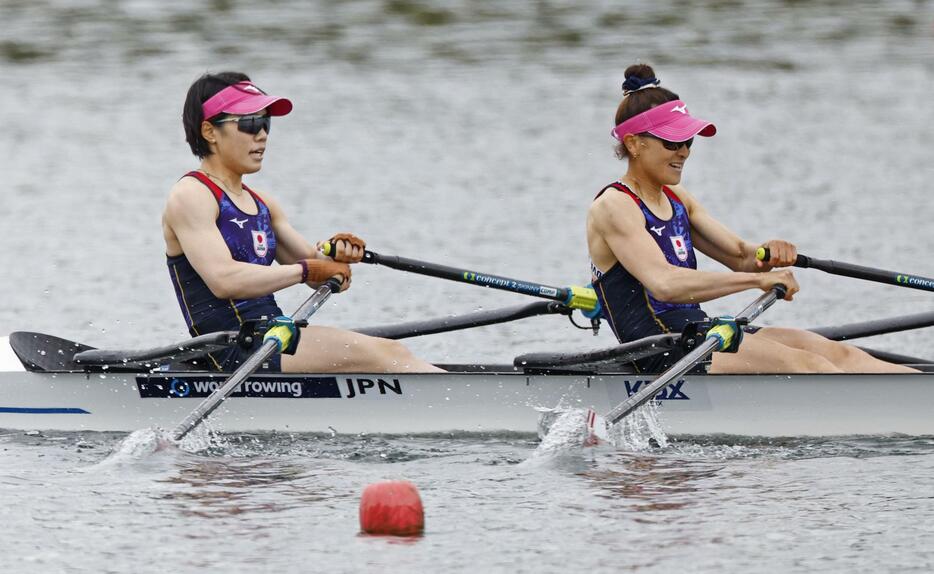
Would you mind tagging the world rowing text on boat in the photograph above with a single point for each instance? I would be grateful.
(297, 387)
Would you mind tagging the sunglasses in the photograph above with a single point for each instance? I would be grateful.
(670, 146)
(249, 124)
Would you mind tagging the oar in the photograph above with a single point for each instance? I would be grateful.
(876, 327)
(276, 338)
(857, 271)
(468, 321)
(718, 338)
(575, 297)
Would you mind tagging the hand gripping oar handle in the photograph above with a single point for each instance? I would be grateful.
(714, 341)
(278, 340)
(857, 271)
(575, 297)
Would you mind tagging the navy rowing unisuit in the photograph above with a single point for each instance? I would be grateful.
(629, 308)
(251, 239)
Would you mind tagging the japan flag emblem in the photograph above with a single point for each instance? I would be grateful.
(681, 250)
(259, 243)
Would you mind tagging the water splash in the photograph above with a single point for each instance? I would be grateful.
(562, 431)
(639, 431)
(203, 439)
(137, 446)
(143, 444)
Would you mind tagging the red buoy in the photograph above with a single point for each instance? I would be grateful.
(392, 507)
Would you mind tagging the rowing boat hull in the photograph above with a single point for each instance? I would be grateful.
(763, 405)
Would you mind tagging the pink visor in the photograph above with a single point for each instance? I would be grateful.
(669, 121)
(242, 99)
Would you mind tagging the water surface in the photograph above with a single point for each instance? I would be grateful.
(473, 134)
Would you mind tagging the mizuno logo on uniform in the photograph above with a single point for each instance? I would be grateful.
(658, 230)
(238, 222)
(683, 109)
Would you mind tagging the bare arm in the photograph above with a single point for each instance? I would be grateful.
(715, 240)
(189, 218)
(290, 244)
(617, 221)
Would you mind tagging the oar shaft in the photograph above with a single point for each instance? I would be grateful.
(579, 298)
(458, 322)
(261, 355)
(858, 271)
(699, 353)
(214, 400)
(645, 394)
(876, 327)
(867, 273)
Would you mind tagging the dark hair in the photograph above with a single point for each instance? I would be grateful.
(199, 92)
(637, 102)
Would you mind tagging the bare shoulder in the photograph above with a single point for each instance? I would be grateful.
(615, 209)
(190, 198)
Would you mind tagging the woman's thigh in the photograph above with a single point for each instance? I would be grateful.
(805, 340)
(759, 353)
(847, 357)
(331, 350)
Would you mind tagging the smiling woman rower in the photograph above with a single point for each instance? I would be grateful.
(222, 237)
(641, 233)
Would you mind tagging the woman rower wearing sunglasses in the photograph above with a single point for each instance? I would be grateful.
(222, 238)
(641, 233)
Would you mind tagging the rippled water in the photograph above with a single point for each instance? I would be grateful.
(288, 503)
(471, 134)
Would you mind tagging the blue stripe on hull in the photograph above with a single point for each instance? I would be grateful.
(44, 411)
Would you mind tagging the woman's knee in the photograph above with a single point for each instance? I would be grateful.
(392, 347)
(761, 355)
(842, 354)
(815, 363)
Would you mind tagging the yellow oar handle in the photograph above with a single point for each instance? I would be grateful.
(286, 332)
(281, 334)
(583, 298)
(728, 332)
(724, 335)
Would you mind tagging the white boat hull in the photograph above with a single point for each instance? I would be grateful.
(764, 405)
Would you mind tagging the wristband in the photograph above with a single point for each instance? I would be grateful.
(304, 265)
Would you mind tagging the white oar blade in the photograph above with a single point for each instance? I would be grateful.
(597, 428)
(563, 430)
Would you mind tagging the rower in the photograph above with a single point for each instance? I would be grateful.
(223, 237)
(641, 234)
